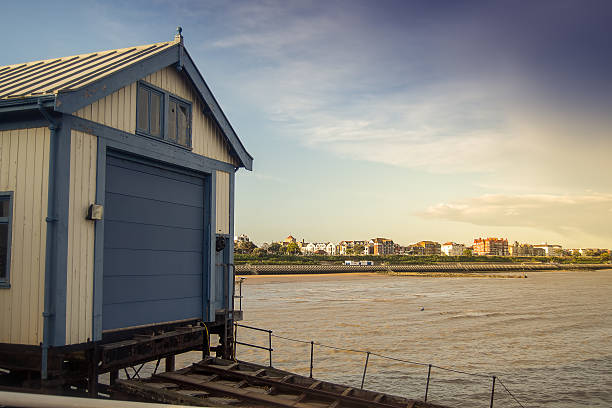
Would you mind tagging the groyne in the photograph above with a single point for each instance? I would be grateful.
(263, 269)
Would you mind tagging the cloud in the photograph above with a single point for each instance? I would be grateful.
(578, 217)
(417, 98)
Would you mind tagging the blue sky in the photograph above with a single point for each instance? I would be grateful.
(441, 120)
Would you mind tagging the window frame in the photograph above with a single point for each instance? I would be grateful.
(167, 97)
(5, 281)
(150, 91)
(187, 104)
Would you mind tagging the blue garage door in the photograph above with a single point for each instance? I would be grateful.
(153, 240)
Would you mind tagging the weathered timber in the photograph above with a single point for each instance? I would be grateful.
(255, 384)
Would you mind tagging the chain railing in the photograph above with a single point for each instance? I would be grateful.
(494, 379)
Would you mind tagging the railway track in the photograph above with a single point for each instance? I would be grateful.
(216, 382)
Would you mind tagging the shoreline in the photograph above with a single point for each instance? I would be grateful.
(445, 270)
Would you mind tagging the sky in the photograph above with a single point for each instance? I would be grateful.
(411, 120)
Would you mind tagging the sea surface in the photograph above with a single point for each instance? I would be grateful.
(548, 338)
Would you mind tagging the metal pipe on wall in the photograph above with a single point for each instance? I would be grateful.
(49, 248)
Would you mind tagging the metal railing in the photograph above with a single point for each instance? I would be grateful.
(494, 379)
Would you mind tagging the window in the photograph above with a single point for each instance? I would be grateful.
(154, 106)
(149, 113)
(6, 210)
(178, 122)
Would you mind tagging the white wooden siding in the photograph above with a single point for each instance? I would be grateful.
(222, 203)
(24, 169)
(79, 284)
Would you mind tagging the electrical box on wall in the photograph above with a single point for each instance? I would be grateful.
(95, 212)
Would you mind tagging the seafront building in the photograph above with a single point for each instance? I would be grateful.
(452, 249)
(550, 250)
(491, 246)
(429, 247)
(381, 246)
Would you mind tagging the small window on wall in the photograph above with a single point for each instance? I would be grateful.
(178, 122)
(6, 211)
(154, 106)
(149, 116)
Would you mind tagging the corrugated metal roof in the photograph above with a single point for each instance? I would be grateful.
(70, 73)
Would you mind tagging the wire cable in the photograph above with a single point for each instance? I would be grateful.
(508, 391)
(390, 358)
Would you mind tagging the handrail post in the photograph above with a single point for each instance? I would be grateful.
(428, 376)
(492, 392)
(365, 368)
(240, 299)
(235, 338)
(270, 345)
(311, 356)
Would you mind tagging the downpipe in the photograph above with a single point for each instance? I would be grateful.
(50, 247)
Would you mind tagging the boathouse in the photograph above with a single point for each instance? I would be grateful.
(116, 206)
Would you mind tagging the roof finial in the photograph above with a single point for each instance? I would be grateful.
(179, 34)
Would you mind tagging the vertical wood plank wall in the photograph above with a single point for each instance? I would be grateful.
(24, 169)
(222, 203)
(117, 110)
(79, 283)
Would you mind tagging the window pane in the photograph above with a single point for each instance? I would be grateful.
(155, 114)
(183, 120)
(4, 207)
(3, 250)
(143, 109)
(172, 121)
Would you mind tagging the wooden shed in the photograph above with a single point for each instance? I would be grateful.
(116, 200)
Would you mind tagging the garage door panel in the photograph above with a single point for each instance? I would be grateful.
(141, 184)
(148, 167)
(153, 242)
(150, 262)
(139, 313)
(151, 287)
(155, 212)
(151, 237)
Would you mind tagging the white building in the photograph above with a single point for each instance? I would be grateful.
(331, 248)
(319, 247)
(551, 250)
(452, 249)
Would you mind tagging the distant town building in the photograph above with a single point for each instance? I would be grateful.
(517, 249)
(592, 251)
(381, 246)
(429, 247)
(550, 250)
(345, 247)
(452, 249)
(331, 248)
(491, 246)
(416, 250)
(318, 248)
(402, 250)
